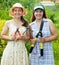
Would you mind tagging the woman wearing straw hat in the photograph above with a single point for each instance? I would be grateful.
(15, 52)
(42, 53)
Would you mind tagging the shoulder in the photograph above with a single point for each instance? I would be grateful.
(32, 23)
(47, 20)
(8, 22)
(50, 22)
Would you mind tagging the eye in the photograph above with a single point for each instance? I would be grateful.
(19, 10)
(41, 11)
(36, 11)
(15, 10)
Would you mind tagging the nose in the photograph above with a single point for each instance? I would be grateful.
(38, 12)
(17, 11)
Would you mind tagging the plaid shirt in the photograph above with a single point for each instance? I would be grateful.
(48, 57)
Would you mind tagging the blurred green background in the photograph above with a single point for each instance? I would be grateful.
(52, 13)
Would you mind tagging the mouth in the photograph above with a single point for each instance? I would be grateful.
(17, 14)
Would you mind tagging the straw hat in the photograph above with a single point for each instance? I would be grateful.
(17, 5)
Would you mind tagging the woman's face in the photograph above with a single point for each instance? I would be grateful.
(38, 14)
(17, 12)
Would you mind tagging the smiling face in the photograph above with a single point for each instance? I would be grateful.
(17, 12)
(38, 14)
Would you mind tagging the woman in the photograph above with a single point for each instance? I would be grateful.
(15, 52)
(48, 34)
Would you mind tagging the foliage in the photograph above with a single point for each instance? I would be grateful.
(2, 22)
(2, 42)
(2, 46)
(56, 46)
(7, 4)
(52, 13)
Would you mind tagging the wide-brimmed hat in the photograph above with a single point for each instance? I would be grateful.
(39, 7)
(17, 5)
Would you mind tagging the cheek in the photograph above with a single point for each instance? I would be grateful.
(14, 12)
(35, 14)
(21, 13)
(42, 14)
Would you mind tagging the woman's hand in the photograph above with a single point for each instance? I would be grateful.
(18, 38)
(43, 40)
(12, 38)
(33, 41)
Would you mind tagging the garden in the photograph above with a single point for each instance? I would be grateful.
(52, 13)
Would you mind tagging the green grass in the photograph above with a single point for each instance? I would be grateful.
(56, 51)
(55, 45)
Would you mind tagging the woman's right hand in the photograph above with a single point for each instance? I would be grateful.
(33, 41)
(12, 37)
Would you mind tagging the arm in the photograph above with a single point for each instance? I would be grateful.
(53, 34)
(32, 40)
(5, 32)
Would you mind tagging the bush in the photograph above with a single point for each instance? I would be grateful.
(2, 42)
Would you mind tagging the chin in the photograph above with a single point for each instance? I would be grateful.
(17, 17)
(39, 18)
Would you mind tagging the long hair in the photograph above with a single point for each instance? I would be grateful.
(33, 17)
(25, 23)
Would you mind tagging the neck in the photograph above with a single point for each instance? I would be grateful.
(17, 20)
(38, 20)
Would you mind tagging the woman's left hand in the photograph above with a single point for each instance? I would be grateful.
(33, 41)
(43, 40)
(21, 38)
(18, 38)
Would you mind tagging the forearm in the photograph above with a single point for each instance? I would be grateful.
(51, 38)
(4, 37)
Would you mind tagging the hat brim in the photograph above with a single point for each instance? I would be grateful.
(39, 9)
(12, 14)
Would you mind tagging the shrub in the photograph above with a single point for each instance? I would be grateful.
(2, 42)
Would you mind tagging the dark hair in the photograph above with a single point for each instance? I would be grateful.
(33, 17)
(25, 23)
